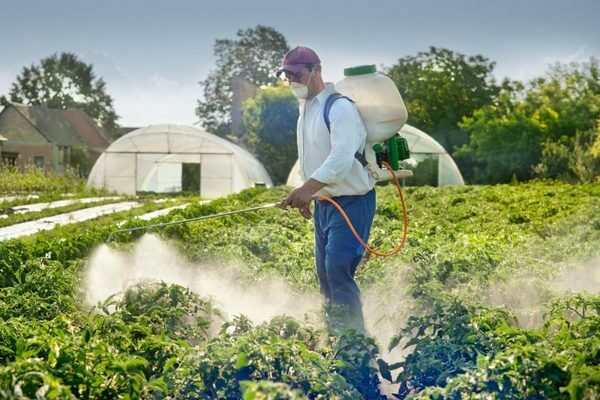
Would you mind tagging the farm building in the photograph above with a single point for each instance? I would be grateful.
(172, 158)
(50, 139)
(430, 162)
(2, 140)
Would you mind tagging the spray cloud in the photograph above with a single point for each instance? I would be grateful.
(110, 271)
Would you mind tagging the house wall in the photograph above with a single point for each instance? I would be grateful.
(25, 140)
(26, 155)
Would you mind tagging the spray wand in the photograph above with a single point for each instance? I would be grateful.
(140, 228)
(273, 205)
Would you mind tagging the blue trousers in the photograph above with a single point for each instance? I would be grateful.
(338, 252)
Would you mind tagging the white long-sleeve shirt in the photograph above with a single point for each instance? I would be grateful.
(329, 157)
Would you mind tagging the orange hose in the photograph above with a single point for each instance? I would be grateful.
(404, 216)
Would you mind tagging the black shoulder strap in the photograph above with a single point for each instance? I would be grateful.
(328, 103)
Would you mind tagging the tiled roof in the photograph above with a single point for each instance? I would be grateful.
(89, 132)
(50, 123)
(65, 127)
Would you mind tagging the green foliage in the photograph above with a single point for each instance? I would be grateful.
(278, 351)
(547, 130)
(503, 142)
(39, 288)
(169, 309)
(572, 159)
(447, 340)
(267, 390)
(440, 87)
(68, 243)
(253, 56)
(32, 180)
(62, 81)
(558, 361)
(358, 362)
(270, 127)
(501, 133)
(121, 354)
(159, 341)
(426, 172)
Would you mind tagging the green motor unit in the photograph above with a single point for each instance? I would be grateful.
(392, 151)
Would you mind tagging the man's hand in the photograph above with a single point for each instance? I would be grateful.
(298, 198)
(301, 197)
(305, 212)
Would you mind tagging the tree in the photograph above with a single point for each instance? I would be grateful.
(270, 124)
(504, 142)
(61, 82)
(440, 87)
(568, 101)
(545, 131)
(253, 56)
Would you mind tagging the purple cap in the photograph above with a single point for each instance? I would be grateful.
(296, 58)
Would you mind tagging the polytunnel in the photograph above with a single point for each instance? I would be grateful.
(430, 162)
(172, 158)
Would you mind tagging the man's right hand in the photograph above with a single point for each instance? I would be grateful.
(305, 212)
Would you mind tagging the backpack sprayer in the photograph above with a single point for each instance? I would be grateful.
(383, 112)
(382, 109)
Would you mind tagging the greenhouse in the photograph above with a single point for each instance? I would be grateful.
(173, 158)
(430, 162)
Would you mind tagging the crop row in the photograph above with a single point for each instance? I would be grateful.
(465, 244)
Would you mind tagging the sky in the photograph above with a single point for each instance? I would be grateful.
(153, 54)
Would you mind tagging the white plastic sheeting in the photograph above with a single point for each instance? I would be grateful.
(159, 213)
(48, 223)
(13, 198)
(36, 207)
(422, 147)
(151, 159)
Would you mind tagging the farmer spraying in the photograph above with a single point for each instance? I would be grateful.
(347, 141)
(331, 164)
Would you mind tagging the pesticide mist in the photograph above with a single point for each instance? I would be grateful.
(151, 259)
(526, 294)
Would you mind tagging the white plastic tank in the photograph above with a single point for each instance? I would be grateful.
(381, 108)
(377, 99)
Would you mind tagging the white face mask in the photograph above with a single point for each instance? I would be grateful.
(300, 90)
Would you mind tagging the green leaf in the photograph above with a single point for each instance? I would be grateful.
(395, 366)
(169, 364)
(87, 335)
(384, 370)
(158, 385)
(412, 341)
(470, 339)
(242, 361)
(135, 363)
(394, 341)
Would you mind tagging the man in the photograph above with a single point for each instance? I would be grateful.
(328, 167)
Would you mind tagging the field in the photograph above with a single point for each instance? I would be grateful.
(494, 296)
